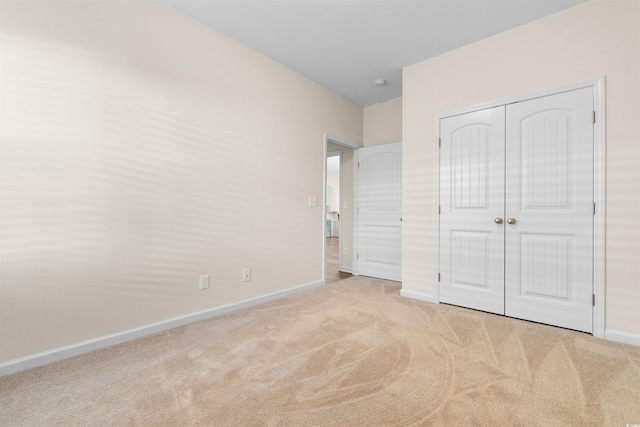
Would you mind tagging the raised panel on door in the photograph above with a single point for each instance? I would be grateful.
(379, 211)
(471, 198)
(549, 194)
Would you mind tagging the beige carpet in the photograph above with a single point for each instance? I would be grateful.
(351, 353)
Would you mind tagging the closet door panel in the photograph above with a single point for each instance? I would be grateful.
(549, 196)
(471, 198)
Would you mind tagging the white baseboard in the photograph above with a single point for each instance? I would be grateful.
(419, 296)
(39, 359)
(346, 270)
(623, 337)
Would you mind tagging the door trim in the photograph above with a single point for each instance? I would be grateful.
(599, 196)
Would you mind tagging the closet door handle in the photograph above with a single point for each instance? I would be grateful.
(498, 220)
(511, 220)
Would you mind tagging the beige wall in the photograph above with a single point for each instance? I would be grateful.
(141, 149)
(597, 38)
(382, 123)
(346, 214)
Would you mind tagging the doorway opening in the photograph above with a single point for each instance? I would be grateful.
(338, 214)
(333, 199)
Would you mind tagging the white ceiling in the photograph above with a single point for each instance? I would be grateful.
(347, 44)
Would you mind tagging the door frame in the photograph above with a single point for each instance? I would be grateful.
(599, 194)
(346, 144)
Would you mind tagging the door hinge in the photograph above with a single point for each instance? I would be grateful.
(358, 165)
(357, 256)
(593, 116)
(594, 208)
(593, 300)
(439, 142)
(438, 277)
(439, 210)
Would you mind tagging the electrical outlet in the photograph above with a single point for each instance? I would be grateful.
(246, 274)
(345, 251)
(204, 282)
(313, 201)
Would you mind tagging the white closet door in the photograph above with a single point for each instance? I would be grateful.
(471, 199)
(379, 210)
(549, 195)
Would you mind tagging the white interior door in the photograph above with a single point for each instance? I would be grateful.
(472, 210)
(549, 185)
(379, 211)
(517, 206)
